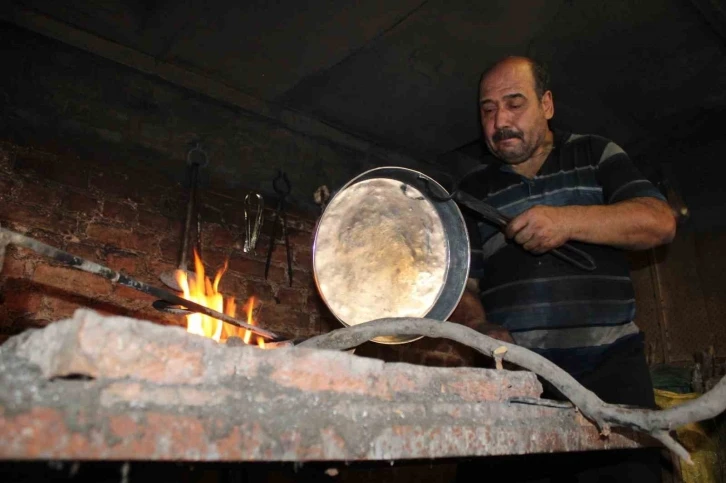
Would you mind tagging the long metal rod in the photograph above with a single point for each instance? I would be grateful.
(9, 236)
(193, 174)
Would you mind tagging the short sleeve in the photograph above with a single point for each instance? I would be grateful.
(620, 179)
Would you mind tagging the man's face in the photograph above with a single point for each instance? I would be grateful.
(513, 118)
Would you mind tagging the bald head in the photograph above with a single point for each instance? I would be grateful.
(538, 72)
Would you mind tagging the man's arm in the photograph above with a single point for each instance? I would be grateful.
(634, 224)
(470, 313)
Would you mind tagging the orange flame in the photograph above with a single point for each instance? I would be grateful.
(204, 292)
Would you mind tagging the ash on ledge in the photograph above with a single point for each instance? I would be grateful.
(114, 388)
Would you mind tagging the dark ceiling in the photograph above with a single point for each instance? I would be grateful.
(404, 73)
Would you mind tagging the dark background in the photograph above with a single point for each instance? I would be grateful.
(401, 76)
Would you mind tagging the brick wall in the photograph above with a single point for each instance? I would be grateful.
(131, 221)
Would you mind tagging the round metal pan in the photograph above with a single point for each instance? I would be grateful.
(384, 248)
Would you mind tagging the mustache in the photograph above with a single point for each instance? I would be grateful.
(505, 133)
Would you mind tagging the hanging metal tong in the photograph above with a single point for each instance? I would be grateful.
(282, 187)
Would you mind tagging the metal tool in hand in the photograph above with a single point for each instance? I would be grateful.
(253, 202)
(566, 252)
(282, 187)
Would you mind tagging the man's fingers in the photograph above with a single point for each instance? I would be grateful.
(516, 225)
(539, 250)
(502, 335)
(532, 245)
(525, 235)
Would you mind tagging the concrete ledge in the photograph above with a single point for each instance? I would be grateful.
(114, 388)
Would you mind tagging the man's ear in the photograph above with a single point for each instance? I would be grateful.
(548, 105)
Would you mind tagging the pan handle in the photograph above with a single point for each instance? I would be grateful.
(577, 257)
(566, 252)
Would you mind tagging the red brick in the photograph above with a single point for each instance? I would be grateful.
(61, 306)
(79, 203)
(156, 268)
(315, 303)
(326, 323)
(301, 239)
(119, 212)
(21, 297)
(217, 236)
(248, 267)
(116, 185)
(176, 227)
(151, 194)
(6, 187)
(174, 206)
(14, 267)
(22, 253)
(109, 234)
(232, 286)
(304, 260)
(51, 238)
(125, 263)
(72, 280)
(300, 279)
(278, 317)
(261, 290)
(213, 261)
(211, 215)
(123, 238)
(85, 251)
(23, 216)
(279, 255)
(37, 193)
(291, 297)
(67, 172)
(154, 221)
(233, 213)
(123, 293)
(170, 249)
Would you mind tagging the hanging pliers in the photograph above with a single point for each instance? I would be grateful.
(282, 188)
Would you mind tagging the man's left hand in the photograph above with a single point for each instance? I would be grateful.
(539, 229)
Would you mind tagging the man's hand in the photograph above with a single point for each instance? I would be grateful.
(470, 313)
(539, 229)
(634, 224)
(494, 331)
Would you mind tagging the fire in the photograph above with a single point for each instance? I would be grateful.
(205, 292)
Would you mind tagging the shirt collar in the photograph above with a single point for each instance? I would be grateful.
(559, 138)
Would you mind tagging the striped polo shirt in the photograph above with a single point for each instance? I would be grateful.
(566, 314)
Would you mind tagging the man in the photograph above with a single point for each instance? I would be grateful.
(561, 188)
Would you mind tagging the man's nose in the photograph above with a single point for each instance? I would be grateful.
(501, 119)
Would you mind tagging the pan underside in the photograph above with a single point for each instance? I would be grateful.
(381, 251)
